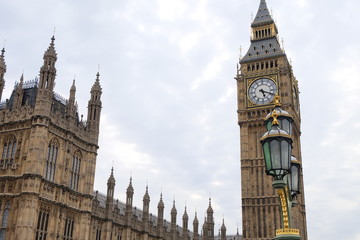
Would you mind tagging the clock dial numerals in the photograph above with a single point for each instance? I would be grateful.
(262, 91)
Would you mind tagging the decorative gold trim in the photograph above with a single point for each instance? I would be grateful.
(287, 231)
(277, 135)
(274, 115)
(284, 207)
(277, 100)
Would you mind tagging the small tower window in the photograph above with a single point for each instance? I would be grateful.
(75, 171)
(50, 164)
(8, 150)
(68, 228)
(43, 219)
(4, 221)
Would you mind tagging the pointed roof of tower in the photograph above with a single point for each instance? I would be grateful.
(161, 203)
(196, 221)
(96, 86)
(73, 87)
(263, 15)
(111, 179)
(146, 195)
(2, 59)
(264, 47)
(50, 52)
(173, 209)
(130, 188)
(185, 215)
(210, 210)
(223, 225)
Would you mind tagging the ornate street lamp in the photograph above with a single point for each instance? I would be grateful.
(277, 146)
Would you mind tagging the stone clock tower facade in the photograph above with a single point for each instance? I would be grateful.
(263, 72)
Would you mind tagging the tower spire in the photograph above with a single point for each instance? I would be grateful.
(94, 108)
(263, 16)
(71, 110)
(2, 71)
(48, 70)
(264, 40)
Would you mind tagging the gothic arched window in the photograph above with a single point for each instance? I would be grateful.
(42, 225)
(75, 171)
(4, 221)
(8, 150)
(69, 228)
(50, 164)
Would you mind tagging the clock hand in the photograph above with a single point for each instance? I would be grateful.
(267, 92)
(263, 92)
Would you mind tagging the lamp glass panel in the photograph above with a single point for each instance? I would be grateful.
(275, 154)
(294, 178)
(285, 155)
(285, 125)
(267, 155)
(268, 124)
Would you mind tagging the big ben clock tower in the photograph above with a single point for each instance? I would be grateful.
(264, 72)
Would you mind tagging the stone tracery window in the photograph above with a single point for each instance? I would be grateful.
(4, 221)
(68, 228)
(75, 171)
(42, 225)
(9, 149)
(50, 164)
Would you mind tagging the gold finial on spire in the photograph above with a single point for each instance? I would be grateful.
(274, 115)
(277, 101)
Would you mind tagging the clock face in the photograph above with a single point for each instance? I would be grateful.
(262, 91)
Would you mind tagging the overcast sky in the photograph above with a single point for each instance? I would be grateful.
(167, 71)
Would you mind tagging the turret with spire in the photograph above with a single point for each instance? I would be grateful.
(94, 108)
(110, 190)
(205, 232)
(223, 231)
(146, 206)
(264, 40)
(185, 219)
(71, 106)
(48, 70)
(210, 222)
(129, 198)
(160, 222)
(19, 93)
(196, 227)
(2, 72)
(173, 221)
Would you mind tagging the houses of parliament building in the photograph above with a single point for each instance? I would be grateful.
(47, 171)
(49, 153)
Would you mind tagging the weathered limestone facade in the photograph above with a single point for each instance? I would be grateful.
(266, 66)
(47, 170)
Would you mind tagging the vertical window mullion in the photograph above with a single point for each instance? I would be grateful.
(8, 154)
(13, 150)
(4, 151)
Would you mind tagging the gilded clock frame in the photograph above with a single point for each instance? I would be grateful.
(250, 80)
